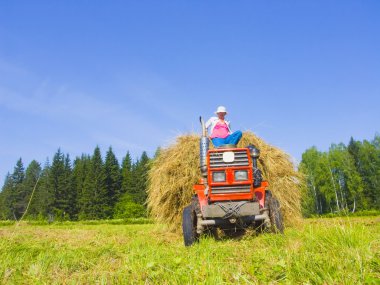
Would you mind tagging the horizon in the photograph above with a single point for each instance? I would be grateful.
(137, 157)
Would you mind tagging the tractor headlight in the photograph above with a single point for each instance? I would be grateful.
(253, 151)
(241, 175)
(219, 176)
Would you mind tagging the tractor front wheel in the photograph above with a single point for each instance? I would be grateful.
(189, 226)
(275, 215)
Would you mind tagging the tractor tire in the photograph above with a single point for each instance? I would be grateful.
(275, 216)
(189, 226)
(268, 196)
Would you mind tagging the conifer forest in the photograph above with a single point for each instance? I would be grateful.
(87, 188)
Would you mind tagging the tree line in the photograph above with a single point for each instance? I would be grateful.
(85, 189)
(345, 178)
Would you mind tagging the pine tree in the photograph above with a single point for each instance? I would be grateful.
(132, 203)
(94, 198)
(157, 152)
(42, 203)
(12, 198)
(16, 196)
(3, 209)
(79, 174)
(113, 182)
(59, 181)
(126, 174)
(71, 195)
(140, 179)
(32, 175)
(6, 191)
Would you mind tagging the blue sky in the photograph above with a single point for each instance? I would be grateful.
(136, 74)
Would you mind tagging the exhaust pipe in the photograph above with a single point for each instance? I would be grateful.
(257, 175)
(203, 146)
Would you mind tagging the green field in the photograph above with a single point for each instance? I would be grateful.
(318, 251)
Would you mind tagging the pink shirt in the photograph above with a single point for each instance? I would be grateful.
(220, 131)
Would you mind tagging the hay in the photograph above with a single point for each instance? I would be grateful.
(176, 169)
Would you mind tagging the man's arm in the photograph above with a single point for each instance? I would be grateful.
(209, 122)
(229, 126)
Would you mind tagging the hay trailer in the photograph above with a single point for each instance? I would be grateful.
(231, 194)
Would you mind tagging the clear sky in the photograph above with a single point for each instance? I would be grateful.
(135, 74)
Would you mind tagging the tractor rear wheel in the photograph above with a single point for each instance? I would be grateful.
(275, 215)
(189, 226)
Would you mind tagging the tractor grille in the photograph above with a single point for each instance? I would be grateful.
(230, 189)
(216, 159)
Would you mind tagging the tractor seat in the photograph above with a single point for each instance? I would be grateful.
(226, 146)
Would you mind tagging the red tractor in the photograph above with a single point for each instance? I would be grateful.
(231, 195)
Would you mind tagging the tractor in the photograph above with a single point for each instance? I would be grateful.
(231, 194)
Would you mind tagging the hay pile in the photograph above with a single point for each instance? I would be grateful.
(176, 169)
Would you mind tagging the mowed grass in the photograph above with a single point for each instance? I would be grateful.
(318, 251)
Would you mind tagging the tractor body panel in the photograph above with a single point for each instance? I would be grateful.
(230, 177)
(223, 167)
(229, 189)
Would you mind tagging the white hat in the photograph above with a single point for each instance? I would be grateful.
(221, 109)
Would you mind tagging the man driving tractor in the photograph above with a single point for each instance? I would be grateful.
(220, 129)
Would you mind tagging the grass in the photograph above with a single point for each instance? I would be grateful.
(364, 213)
(128, 221)
(318, 251)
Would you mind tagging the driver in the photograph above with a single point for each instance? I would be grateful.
(220, 129)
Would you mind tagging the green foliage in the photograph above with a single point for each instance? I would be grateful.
(87, 190)
(311, 202)
(32, 175)
(127, 208)
(80, 171)
(94, 198)
(140, 179)
(113, 180)
(14, 193)
(126, 174)
(5, 209)
(42, 202)
(60, 183)
(344, 179)
(134, 184)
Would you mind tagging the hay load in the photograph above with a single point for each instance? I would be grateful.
(176, 169)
